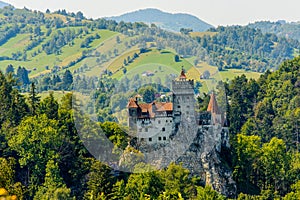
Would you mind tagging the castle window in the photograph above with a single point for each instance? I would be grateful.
(142, 139)
(150, 139)
(164, 138)
(159, 138)
(158, 121)
(167, 121)
(178, 106)
(146, 129)
(163, 129)
(170, 120)
(188, 106)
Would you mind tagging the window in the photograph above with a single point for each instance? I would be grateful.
(170, 120)
(142, 139)
(164, 138)
(146, 129)
(159, 138)
(150, 139)
(187, 112)
(178, 106)
(188, 106)
(167, 121)
(158, 121)
(163, 129)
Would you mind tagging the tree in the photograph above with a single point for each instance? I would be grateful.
(149, 184)
(176, 58)
(9, 69)
(206, 74)
(274, 163)
(148, 93)
(248, 152)
(22, 76)
(208, 193)
(54, 186)
(100, 181)
(79, 15)
(177, 182)
(37, 31)
(35, 140)
(34, 100)
(118, 40)
(118, 190)
(7, 172)
(49, 106)
(186, 31)
(67, 80)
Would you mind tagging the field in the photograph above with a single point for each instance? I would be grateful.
(150, 61)
(37, 64)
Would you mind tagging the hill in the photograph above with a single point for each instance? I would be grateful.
(91, 48)
(168, 21)
(280, 28)
(3, 4)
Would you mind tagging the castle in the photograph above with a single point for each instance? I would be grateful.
(175, 132)
(156, 122)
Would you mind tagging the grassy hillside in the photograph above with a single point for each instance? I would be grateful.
(37, 64)
(88, 48)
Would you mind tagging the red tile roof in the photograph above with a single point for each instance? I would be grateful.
(182, 75)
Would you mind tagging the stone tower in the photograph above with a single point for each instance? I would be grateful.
(133, 111)
(183, 99)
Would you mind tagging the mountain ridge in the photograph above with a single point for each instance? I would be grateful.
(165, 20)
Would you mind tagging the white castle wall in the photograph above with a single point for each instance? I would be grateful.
(156, 130)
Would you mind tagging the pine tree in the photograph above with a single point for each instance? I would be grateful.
(34, 100)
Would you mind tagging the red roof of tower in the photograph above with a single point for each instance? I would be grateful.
(182, 74)
(213, 106)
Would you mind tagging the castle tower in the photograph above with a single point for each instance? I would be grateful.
(133, 110)
(216, 115)
(183, 98)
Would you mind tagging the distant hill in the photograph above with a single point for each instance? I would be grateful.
(168, 21)
(3, 4)
(280, 28)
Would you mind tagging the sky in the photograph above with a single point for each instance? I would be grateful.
(214, 12)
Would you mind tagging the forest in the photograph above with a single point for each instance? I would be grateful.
(43, 157)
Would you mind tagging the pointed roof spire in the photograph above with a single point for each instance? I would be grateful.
(182, 74)
(132, 103)
(213, 106)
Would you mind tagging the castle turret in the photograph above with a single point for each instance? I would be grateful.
(216, 115)
(183, 98)
(132, 112)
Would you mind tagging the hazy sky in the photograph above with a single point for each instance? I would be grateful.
(215, 12)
